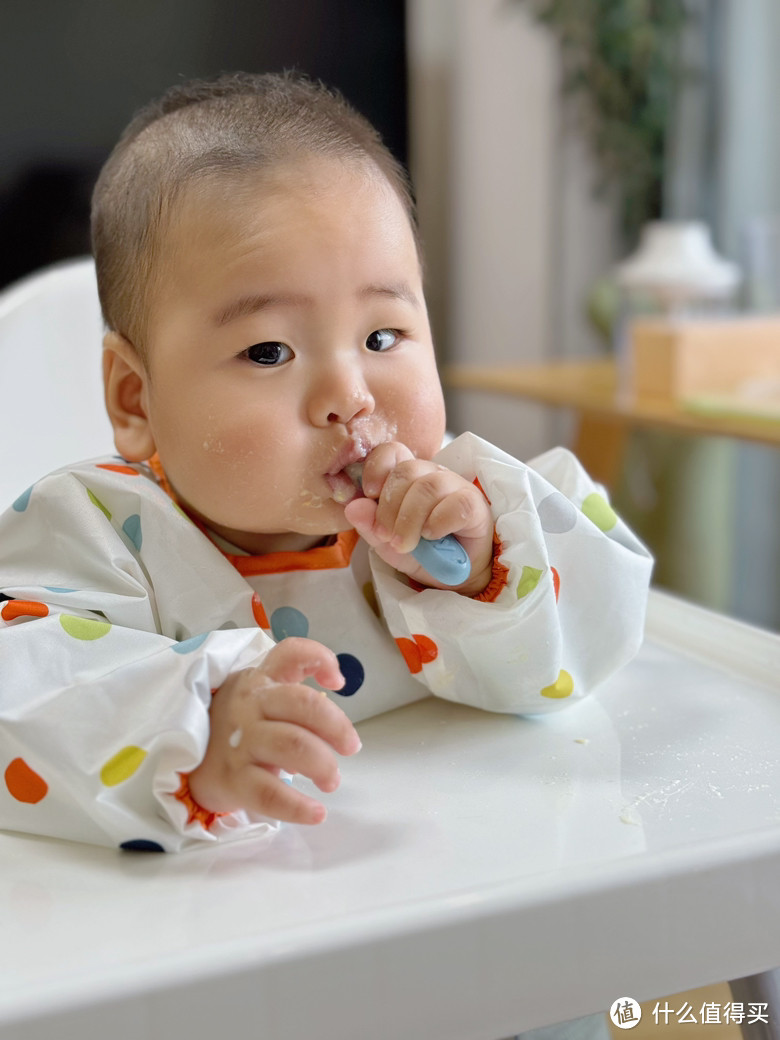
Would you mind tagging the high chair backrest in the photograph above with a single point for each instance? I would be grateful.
(50, 357)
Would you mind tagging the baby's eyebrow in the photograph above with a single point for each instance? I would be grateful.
(400, 291)
(251, 304)
(246, 305)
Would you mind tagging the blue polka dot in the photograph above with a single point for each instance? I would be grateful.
(353, 673)
(141, 845)
(186, 646)
(55, 588)
(132, 528)
(21, 503)
(287, 621)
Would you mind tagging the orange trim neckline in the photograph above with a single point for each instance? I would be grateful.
(321, 558)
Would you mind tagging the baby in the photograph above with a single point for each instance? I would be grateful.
(172, 617)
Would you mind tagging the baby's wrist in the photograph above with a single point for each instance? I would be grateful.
(196, 811)
(495, 577)
(477, 583)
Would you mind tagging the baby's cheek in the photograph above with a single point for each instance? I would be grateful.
(426, 425)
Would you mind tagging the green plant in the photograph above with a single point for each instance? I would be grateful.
(621, 71)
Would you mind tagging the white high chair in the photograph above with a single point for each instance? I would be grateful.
(475, 874)
(52, 404)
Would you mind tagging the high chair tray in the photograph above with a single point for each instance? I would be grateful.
(478, 874)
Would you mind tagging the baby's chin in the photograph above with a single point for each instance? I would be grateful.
(303, 535)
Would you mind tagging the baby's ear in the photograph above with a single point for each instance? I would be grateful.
(125, 382)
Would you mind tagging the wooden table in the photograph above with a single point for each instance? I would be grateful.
(606, 416)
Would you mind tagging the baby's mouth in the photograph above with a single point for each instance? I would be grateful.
(344, 477)
(343, 487)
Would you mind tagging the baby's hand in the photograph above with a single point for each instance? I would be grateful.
(263, 720)
(408, 499)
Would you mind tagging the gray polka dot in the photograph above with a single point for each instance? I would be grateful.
(557, 515)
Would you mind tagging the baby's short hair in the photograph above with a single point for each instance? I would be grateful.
(205, 129)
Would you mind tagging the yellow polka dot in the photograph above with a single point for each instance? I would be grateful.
(96, 502)
(122, 765)
(529, 579)
(562, 687)
(599, 512)
(84, 628)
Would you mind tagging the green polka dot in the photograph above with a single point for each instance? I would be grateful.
(529, 579)
(96, 502)
(562, 687)
(599, 512)
(122, 765)
(84, 628)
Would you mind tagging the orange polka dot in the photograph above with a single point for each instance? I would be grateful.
(15, 608)
(118, 469)
(417, 651)
(259, 613)
(24, 784)
(556, 582)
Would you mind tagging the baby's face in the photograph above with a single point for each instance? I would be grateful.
(289, 338)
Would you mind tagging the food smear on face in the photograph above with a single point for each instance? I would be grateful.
(343, 487)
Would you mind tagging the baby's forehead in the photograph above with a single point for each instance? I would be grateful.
(286, 228)
(305, 175)
(249, 203)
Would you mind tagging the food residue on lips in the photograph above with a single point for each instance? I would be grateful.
(344, 492)
(344, 484)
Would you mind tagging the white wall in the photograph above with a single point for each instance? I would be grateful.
(514, 236)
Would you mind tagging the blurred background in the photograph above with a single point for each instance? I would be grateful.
(541, 136)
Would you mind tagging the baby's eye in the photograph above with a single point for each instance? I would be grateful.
(270, 353)
(382, 339)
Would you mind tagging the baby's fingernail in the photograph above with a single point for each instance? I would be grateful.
(318, 813)
(332, 783)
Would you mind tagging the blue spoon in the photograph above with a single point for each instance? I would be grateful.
(444, 559)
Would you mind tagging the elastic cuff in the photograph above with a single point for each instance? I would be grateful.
(195, 812)
(499, 579)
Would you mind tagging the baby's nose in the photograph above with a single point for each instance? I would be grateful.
(339, 398)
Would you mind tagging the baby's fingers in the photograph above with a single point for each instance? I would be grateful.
(296, 659)
(270, 796)
(294, 749)
(311, 710)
